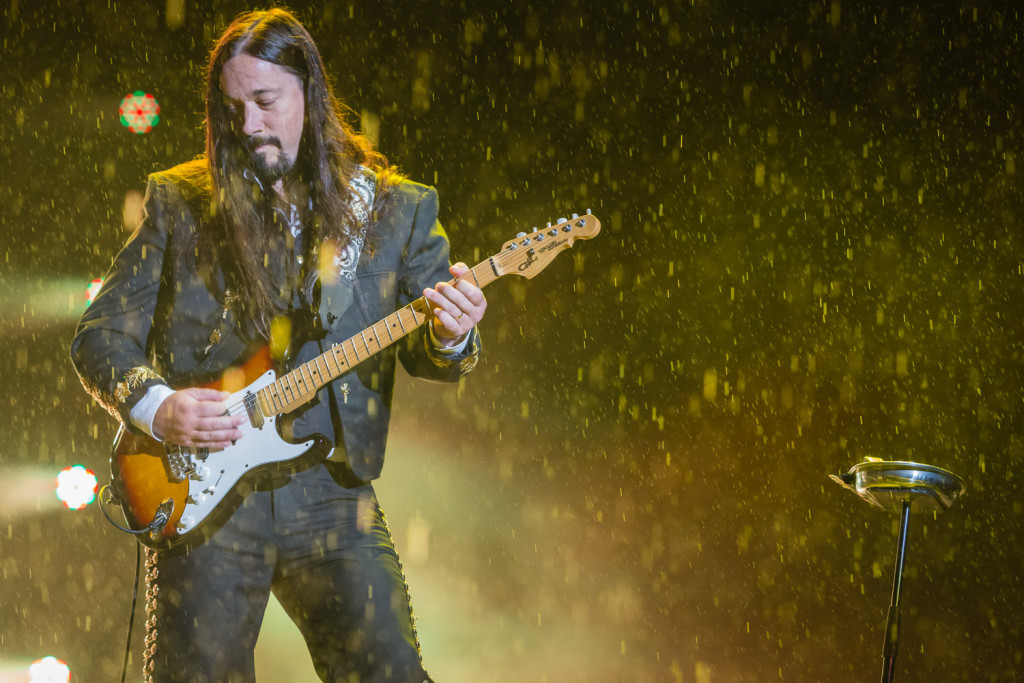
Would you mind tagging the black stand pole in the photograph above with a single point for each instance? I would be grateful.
(892, 623)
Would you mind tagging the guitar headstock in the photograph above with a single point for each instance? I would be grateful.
(531, 252)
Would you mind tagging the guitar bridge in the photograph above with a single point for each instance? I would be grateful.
(178, 462)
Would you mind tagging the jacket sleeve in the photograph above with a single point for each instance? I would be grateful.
(109, 350)
(425, 263)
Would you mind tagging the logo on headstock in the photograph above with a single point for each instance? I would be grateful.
(551, 245)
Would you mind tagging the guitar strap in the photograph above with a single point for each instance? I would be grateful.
(332, 297)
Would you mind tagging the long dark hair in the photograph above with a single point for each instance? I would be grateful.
(330, 155)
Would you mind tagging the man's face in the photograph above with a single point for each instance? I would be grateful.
(267, 108)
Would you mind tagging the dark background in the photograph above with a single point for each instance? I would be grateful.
(810, 254)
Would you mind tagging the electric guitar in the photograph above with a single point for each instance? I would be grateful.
(171, 494)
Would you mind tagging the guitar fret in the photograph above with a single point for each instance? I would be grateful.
(400, 323)
(472, 271)
(312, 382)
(363, 335)
(334, 355)
(354, 349)
(345, 354)
(412, 309)
(387, 327)
(319, 372)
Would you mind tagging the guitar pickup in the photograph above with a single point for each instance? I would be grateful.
(252, 408)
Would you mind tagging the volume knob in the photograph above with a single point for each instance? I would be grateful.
(200, 473)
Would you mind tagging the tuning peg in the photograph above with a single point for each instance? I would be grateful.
(535, 229)
(561, 220)
(575, 216)
(520, 234)
(549, 224)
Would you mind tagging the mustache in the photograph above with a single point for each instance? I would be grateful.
(257, 141)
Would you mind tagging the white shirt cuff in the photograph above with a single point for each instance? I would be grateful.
(447, 350)
(144, 411)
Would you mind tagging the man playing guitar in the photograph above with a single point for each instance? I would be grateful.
(276, 248)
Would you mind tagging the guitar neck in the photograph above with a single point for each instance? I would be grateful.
(296, 388)
(526, 255)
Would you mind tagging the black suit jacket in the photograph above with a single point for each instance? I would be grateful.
(157, 319)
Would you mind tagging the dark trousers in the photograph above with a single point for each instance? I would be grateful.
(326, 553)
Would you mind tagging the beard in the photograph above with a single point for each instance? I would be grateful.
(265, 170)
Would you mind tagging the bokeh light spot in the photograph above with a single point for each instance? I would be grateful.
(139, 112)
(76, 487)
(93, 290)
(49, 670)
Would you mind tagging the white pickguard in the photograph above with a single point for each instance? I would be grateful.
(216, 475)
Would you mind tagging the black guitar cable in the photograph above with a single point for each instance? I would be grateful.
(158, 523)
(131, 614)
(159, 519)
